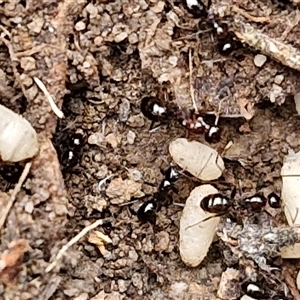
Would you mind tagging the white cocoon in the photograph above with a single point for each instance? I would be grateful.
(198, 159)
(195, 241)
(290, 194)
(18, 139)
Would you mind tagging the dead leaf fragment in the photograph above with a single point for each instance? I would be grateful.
(229, 287)
(246, 108)
(290, 192)
(99, 239)
(11, 260)
(123, 190)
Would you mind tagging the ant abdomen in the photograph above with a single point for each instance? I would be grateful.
(216, 203)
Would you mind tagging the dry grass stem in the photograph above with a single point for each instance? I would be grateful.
(74, 240)
(14, 193)
(43, 88)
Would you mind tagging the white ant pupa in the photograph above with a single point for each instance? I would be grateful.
(196, 158)
(18, 139)
(196, 240)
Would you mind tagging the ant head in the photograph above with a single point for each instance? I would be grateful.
(274, 200)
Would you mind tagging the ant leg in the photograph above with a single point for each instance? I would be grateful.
(218, 112)
(152, 128)
(233, 193)
(208, 4)
(204, 220)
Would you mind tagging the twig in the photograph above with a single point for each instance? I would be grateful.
(192, 91)
(283, 53)
(53, 105)
(292, 23)
(35, 49)
(14, 193)
(74, 240)
(237, 10)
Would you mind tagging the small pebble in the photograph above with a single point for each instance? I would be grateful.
(278, 79)
(96, 138)
(79, 26)
(131, 137)
(122, 285)
(259, 60)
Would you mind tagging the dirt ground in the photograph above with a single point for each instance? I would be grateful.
(97, 60)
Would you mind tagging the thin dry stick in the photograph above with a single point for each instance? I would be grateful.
(14, 193)
(272, 47)
(192, 91)
(74, 240)
(53, 105)
(237, 10)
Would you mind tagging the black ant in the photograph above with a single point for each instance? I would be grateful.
(154, 109)
(216, 203)
(220, 205)
(197, 8)
(274, 200)
(253, 290)
(69, 147)
(226, 42)
(147, 211)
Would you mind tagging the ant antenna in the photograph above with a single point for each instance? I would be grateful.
(206, 219)
(192, 91)
(218, 113)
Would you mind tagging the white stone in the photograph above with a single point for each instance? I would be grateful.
(259, 60)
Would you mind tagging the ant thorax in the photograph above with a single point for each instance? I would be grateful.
(193, 122)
